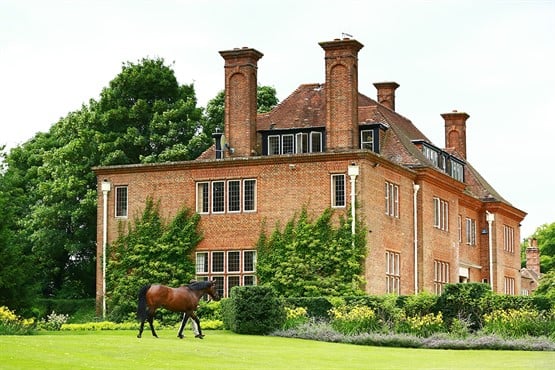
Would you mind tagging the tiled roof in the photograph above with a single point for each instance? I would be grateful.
(306, 108)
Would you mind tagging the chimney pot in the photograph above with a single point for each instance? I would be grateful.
(386, 93)
(455, 131)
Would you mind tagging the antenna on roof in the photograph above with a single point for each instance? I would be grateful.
(343, 35)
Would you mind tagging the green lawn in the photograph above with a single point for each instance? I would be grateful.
(225, 350)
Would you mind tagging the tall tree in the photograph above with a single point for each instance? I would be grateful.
(545, 236)
(146, 116)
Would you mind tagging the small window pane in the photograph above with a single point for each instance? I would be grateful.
(121, 201)
(249, 196)
(338, 190)
(233, 261)
(249, 261)
(273, 145)
(203, 197)
(234, 195)
(202, 263)
(315, 142)
(287, 144)
(218, 196)
(217, 261)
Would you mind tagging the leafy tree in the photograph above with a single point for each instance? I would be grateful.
(547, 286)
(312, 258)
(146, 116)
(266, 98)
(214, 115)
(151, 251)
(50, 215)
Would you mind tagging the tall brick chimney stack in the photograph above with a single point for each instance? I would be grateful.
(240, 100)
(533, 256)
(455, 131)
(341, 56)
(386, 93)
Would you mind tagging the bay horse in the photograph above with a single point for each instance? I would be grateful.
(183, 299)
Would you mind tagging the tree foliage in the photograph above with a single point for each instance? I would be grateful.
(49, 189)
(150, 251)
(313, 258)
(545, 235)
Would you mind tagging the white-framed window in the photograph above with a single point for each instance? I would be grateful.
(457, 171)
(441, 214)
(301, 141)
(287, 144)
(201, 265)
(441, 275)
(121, 201)
(470, 231)
(249, 195)
(393, 272)
(315, 142)
(391, 199)
(218, 262)
(229, 268)
(509, 285)
(431, 154)
(274, 145)
(218, 196)
(508, 239)
(338, 191)
(203, 197)
(232, 196)
(367, 139)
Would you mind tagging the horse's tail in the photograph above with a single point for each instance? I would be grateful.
(142, 313)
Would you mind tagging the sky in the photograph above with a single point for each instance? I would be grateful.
(491, 59)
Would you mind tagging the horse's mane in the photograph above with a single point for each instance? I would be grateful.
(199, 285)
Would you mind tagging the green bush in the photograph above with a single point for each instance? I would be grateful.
(516, 323)
(463, 302)
(354, 320)
(295, 317)
(316, 307)
(211, 310)
(384, 306)
(70, 307)
(421, 326)
(11, 324)
(252, 310)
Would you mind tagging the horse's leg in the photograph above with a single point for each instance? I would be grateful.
(141, 328)
(183, 322)
(150, 322)
(197, 322)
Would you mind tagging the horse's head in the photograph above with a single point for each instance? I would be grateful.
(212, 291)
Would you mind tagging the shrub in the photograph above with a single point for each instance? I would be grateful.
(515, 323)
(355, 320)
(421, 326)
(463, 301)
(252, 310)
(53, 321)
(295, 317)
(211, 310)
(11, 324)
(316, 307)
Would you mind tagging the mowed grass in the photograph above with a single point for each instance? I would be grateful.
(226, 350)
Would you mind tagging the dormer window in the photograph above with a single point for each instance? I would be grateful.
(370, 135)
(367, 139)
(446, 162)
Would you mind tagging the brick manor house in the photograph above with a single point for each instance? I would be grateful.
(432, 218)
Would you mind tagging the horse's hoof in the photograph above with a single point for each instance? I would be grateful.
(199, 336)
(180, 336)
(138, 335)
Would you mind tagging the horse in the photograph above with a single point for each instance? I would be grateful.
(183, 299)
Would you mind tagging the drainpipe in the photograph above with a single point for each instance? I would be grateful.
(490, 217)
(353, 171)
(106, 187)
(415, 187)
